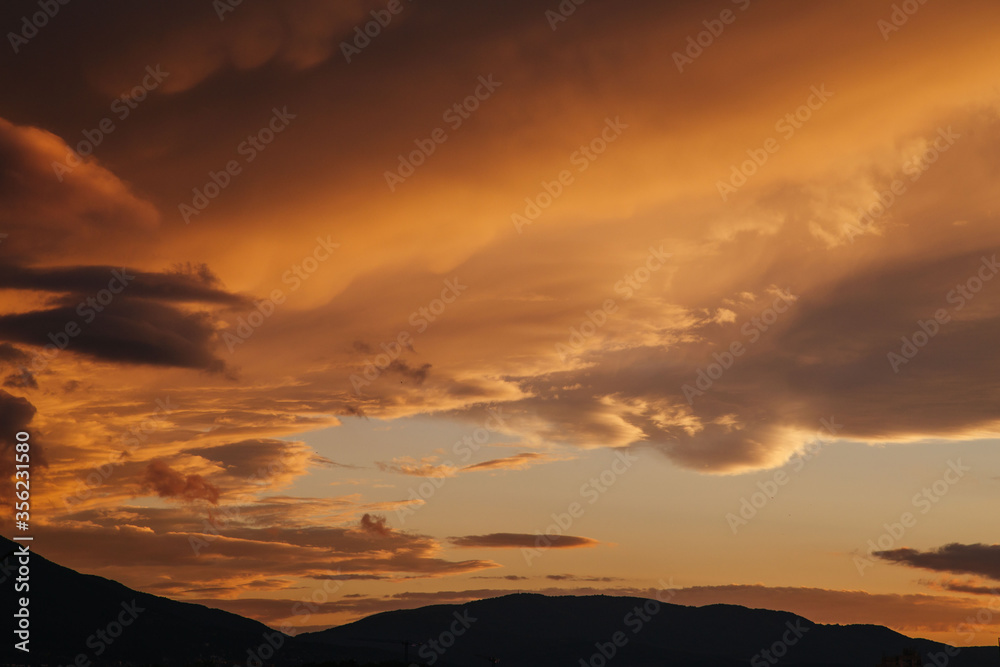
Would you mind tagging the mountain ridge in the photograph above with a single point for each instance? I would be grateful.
(521, 629)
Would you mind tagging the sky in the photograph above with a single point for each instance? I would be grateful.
(321, 308)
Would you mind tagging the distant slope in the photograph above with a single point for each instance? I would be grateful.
(67, 609)
(534, 630)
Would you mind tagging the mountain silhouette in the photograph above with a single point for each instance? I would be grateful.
(68, 609)
(534, 630)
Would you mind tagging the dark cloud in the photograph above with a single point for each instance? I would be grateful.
(418, 375)
(573, 577)
(21, 380)
(263, 460)
(126, 331)
(79, 282)
(959, 587)
(521, 540)
(115, 314)
(977, 559)
(168, 483)
(12, 355)
(181, 540)
(375, 525)
(198, 271)
(16, 415)
(350, 577)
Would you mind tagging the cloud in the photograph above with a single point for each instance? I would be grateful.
(521, 540)
(251, 463)
(46, 218)
(194, 45)
(514, 462)
(12, 355)
(573, 577)
(902, 612)
(425, 467)
(350, 577)
(636, 395)
(117, 315)
(428, 466)
(965, 587)
(168, 483)
(375, 525)
(21, 380)
(272, 538)
(977, 559)
(127, 331)
(16, 415)
(197, 286)
(418, 375)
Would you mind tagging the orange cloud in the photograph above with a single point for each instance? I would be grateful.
(513, 462)
(425, 467)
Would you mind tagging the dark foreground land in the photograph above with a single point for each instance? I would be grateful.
(69, 611)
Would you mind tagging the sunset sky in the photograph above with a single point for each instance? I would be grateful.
(704, 291)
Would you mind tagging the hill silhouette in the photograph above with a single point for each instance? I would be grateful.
(68, 609)
(535, 630)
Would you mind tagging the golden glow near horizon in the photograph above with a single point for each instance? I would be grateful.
(298, 308)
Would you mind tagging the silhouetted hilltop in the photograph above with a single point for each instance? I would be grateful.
(69, 610)
(70, 615)
(529, 630)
